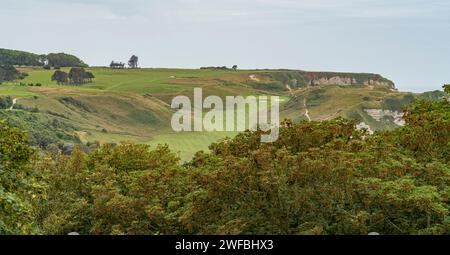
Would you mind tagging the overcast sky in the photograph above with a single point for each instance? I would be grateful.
(407, 41)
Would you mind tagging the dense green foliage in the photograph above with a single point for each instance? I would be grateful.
(43, 130)
(5, 102)
(433, 95)
(318, 178)
(22, 58)
(15, 57)
(18, 183)
(447, 88)
(10, 73)
(64, 60)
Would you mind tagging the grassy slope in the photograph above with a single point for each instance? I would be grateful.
(329, 102)
(127, 105)
(133, 105)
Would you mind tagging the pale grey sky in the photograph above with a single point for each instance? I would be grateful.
(407, 41)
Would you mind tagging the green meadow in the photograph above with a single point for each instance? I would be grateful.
(128, 104)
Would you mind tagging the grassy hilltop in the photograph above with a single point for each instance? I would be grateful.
(134, 104)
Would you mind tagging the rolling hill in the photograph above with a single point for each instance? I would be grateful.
(134, 104)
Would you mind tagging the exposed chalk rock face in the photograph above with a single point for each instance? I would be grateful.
(363, 125)
(376, 83)
(336, 80)
(379, 114)
(301, 79)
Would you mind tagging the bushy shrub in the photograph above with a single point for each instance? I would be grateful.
(5, 102)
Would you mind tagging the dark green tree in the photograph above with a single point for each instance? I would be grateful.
(77, 75)
(133, 62)
(15, 57)
(9, 73)
(89, 76)
(60, 77)
(5, 102)
(447, 88)
(64, 60)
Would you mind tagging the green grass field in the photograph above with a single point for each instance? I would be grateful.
(133, 80)
(186, 144)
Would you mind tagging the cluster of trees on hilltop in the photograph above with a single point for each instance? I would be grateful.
(234, 67)
(76, 76)
(15, 57)
(64, 60)
(117, 65)
(132, 63)
(10, 73)
(318, 178)
(21, 58)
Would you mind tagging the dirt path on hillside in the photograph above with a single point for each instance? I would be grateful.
(291, 91)
(306, 110)
(14, 101)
